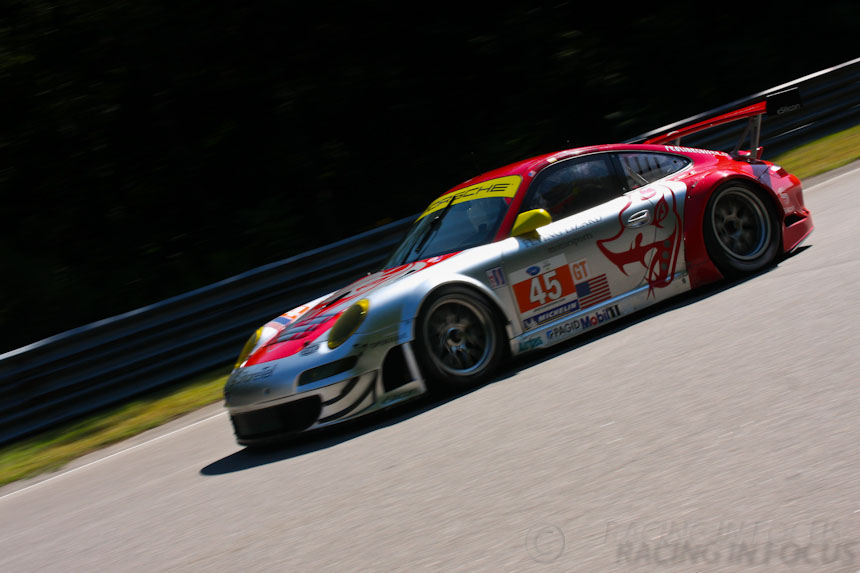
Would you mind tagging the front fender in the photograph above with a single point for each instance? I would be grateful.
(461, 280)
(398, 305)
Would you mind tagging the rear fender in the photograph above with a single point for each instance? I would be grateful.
(700, 267)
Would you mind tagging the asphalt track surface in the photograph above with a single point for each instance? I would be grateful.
(717, 432)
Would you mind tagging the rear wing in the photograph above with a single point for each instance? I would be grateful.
(775, 104)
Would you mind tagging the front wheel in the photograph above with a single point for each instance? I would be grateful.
(741, 231)
(460, 342)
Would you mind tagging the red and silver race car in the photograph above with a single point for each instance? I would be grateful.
(520, 258)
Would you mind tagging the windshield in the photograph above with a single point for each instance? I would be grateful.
(458, 227)
(460, 220)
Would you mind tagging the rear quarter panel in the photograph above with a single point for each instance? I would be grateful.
(711, 172)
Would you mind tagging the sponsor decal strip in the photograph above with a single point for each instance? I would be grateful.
(577, 325)
(500, 187)
(531, 344)
(550, 314)
(496, 277)
(679, 149)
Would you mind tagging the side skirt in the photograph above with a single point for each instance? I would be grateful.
(583, 321)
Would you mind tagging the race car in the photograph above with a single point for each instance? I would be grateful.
(518, 259)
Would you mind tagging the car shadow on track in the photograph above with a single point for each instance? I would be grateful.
(327, 437)
(248, 458)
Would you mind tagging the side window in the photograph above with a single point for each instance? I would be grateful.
(644, 168)
(573, 186)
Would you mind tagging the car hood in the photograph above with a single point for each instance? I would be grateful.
(300, 327)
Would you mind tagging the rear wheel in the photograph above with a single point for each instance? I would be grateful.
(460, 341)
(741, 230)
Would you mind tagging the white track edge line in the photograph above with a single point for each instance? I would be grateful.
(840, 176)
(94, 462)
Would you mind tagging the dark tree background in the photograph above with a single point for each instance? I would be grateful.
(149, 148)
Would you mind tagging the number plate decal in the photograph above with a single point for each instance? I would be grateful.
(545, 291)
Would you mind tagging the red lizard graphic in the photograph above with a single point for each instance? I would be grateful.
(660, 255)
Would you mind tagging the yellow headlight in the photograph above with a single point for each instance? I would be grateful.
(348, 323)
(248, 348)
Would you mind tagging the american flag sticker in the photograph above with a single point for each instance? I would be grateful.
(593, 291)
(496, 277)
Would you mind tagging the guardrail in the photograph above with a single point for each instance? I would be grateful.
(87, 368)
(831, 98)
(82, 370)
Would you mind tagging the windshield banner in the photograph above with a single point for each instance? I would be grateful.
(501, 187)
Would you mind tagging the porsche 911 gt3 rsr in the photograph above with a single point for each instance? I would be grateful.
(520, 258)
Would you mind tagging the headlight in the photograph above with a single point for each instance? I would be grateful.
(348, 323)
(249, 347)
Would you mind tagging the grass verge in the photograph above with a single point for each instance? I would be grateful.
(823, 154)
(55, 448)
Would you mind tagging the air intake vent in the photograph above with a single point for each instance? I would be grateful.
(278, 420)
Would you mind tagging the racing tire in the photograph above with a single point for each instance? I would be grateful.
(460, 342)
(741, 231)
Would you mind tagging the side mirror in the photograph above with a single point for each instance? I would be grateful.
(529, 221)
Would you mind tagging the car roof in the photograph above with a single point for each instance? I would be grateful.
(533, 165)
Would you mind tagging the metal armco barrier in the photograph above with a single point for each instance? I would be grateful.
(831, 99)
(87, 368)
(82, 370)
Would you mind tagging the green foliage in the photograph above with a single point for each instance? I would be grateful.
(56, 447)
(828, 153)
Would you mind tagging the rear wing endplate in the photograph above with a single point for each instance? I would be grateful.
(774, 104)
